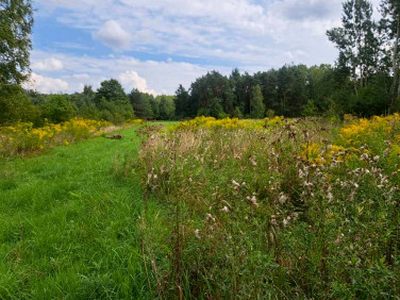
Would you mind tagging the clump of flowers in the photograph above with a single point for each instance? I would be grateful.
(229, 123)
(358, 132)
(23, 138)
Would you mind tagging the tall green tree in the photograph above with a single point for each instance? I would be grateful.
(257, 107)
(166, 107)
(111, 90)
(112, 101)
(357, 41)
(16, 22)
(141, 104)
(182, 103)
(390, 24)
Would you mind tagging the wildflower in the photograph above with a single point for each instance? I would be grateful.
(329, 195)
(253, 200)
(286, 221)
(225, 209)
(283, 198)
(235, 183)
(308, 184)
(209, 217)
(273, 221)
(339, 238)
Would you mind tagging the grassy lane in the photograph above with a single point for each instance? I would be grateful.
(68, 224)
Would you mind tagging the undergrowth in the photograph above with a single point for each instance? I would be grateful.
(303, 209)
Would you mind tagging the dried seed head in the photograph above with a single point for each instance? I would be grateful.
(225, 209)
(283, 198)
(209, 217)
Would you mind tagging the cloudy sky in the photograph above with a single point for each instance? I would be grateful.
(155, 45)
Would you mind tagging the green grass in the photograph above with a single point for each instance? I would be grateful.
(68, 224)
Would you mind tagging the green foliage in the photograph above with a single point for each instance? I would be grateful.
(270, 113)
(257, 106)
(155, 107)
(357, 41)
(58, 109)
(166, 107)
(310, 109)
(111, 90)
(215, 110)
(15, 41)
(237, 113)
(182, 100)
(15, 105)
(141, 104)
(113, 103)
(390, 26)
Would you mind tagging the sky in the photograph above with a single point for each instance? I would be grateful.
(155, 45)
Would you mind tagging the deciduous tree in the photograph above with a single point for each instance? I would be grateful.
(16, 22)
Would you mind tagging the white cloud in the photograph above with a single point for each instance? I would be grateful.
(48, 64)
(155, 77)
(131, 80)
(253, 35)
(113, 35)
(81, 76)
(46, 84)
(241, 32)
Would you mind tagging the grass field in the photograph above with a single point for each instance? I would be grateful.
(68, 224)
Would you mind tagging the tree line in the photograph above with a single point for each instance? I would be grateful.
(109, 102)
(364, 80)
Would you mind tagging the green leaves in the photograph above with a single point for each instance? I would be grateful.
(16, 23)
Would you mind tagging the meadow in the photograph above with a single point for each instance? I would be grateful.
(275, 208)
(205, 209)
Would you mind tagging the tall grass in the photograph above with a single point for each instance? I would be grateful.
(306, 209)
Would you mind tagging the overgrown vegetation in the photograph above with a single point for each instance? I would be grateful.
(304, 209)
(22, 138)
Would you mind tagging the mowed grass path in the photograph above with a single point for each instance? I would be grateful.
(68, 224)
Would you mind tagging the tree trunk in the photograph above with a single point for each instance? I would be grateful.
(395, 90)
(355, 81)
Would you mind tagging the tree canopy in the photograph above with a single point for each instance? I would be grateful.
(16, 21)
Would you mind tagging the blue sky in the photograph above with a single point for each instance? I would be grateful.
(155, 45)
